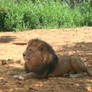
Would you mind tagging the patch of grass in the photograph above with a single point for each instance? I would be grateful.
(17, 70)
(18, 61)
(90, 83)
(5, 69)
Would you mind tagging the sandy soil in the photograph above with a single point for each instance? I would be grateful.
(64, 41)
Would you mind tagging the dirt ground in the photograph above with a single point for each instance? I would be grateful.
(64, 41)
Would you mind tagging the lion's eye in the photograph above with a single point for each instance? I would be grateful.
(41, 48)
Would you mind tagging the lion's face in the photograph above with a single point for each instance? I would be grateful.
(34, 54)
(39, 57)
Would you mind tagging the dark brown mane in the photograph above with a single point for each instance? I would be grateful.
(49, 65)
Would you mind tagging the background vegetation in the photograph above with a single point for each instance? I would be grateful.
(25, 15)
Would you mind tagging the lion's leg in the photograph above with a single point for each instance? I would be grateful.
(77, 75)
(30, 75)
(78, 67)
(25, 76)
(77, 64)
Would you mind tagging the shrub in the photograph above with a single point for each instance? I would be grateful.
(3, 15)
(18, 15)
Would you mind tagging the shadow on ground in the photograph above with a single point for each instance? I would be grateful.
(81, 49)
(52, 84)
(7, 39)
(20, 43)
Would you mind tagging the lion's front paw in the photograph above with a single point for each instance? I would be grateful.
(19, 77)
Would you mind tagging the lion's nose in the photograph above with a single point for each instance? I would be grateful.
(23, 54)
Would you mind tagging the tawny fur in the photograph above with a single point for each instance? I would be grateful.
(70, 65)
(39, 58)
(41, 61)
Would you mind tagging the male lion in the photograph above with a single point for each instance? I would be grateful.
(42, 62)
(40, 59)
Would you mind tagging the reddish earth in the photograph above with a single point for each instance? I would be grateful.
(70, 41)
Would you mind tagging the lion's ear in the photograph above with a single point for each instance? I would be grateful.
(41, 47)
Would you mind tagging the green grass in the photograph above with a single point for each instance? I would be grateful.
(17, 70)
(90, 83)
(27, 15)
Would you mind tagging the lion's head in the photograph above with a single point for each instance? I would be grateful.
(39, 57)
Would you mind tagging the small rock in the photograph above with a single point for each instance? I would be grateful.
(3, 81)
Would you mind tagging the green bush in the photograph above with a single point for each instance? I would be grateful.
(25, 15)
(86, 12)
(3, 15)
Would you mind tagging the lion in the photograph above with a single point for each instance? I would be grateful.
(39, 58)
(41, 61)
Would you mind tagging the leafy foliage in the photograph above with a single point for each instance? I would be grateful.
(18, 15)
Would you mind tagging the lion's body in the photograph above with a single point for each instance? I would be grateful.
(69, 65)
(41, 61)
(63, 66)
